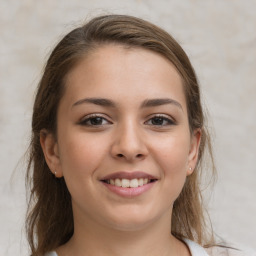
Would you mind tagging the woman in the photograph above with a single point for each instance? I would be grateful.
(117, 147)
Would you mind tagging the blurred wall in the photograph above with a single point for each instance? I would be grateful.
(219, 37)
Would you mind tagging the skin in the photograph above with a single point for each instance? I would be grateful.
(124, 137)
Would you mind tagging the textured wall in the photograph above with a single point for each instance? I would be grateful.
(220, 38)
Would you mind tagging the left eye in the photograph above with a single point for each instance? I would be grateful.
(94, 121)
(160, 121)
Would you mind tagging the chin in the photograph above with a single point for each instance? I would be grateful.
(131, 221)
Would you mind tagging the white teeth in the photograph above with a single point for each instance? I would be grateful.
(118, 183)
(125, 183)
(145, 181)
(134, 183)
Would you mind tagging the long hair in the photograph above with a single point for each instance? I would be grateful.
(49, 217)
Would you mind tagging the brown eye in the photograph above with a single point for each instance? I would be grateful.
(94, 121)
(157, 121)
(160, 121)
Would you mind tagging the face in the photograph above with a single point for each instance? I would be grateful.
(124, 146)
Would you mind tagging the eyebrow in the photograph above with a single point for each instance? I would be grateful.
(159, 102)
(97, 101)
(145, 104)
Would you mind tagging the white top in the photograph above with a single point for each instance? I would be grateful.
(51, 254)
(196, 250)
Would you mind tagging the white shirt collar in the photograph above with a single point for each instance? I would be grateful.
(195, 249)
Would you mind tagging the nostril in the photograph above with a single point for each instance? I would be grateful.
(138, 156)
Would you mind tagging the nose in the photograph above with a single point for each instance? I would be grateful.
(128, 144)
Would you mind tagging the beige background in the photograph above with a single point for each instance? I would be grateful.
(220, 38)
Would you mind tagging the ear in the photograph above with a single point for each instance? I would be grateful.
(194, 150)
(51, 153)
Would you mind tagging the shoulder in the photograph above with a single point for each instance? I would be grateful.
(194, 248)
(51, 254)
(197, 250)
(221, 251)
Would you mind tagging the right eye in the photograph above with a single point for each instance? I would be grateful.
(94, 121)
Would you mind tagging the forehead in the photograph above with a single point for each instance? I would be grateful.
(113, 70)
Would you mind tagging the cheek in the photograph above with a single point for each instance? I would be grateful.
(80, 154)
(172, 157)
(80, 157)
(173, 152)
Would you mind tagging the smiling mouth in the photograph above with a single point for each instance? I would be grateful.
(129, 183)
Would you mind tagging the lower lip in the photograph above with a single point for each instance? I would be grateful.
(129, 192)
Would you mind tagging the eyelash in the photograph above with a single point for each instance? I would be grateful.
(168, 121)
(90, 118)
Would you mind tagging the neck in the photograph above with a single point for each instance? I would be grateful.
(153, 239)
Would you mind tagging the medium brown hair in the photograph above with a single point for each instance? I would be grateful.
(49, 220)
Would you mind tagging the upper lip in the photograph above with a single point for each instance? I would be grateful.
(129, 175)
